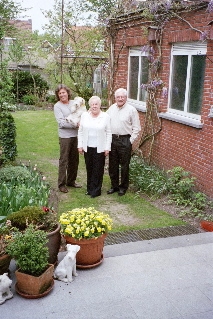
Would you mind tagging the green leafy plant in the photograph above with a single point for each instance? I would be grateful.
(7, 138)
(180, 186)
(19, 189)
(41, 217)
(6, 235)
(146, 178)
(29, 250)
(30, 99)
(17, 173)
(85, 223)
(27, 86)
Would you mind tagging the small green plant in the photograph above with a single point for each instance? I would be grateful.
(198, 203)
(30, 99)
(41, 217)
(6, 234)
(180, 186)
(29, 250)
(18, 191)
(17, 173)
(146, 178)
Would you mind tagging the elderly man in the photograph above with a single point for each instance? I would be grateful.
(125, 126)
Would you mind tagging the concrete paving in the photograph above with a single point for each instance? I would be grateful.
(168, 278)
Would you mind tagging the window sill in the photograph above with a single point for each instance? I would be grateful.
(181, 119)
(140, 106)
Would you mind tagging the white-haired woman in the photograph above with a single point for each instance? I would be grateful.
(94, 141)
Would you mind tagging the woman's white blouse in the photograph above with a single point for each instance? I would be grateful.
(95, 132)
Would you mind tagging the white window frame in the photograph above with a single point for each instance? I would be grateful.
(136, 51)
(186, 48)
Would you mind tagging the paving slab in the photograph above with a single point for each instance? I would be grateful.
(166, 278)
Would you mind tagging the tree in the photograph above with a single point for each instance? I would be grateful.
(8, 11)
(77, 44)
(8, 150)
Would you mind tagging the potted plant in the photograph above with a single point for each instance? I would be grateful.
(87, 228)
(34, 276)
(43, 218)
(6, 233)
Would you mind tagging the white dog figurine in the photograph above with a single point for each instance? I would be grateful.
(5, 283)
(67, 267)
(77, 108)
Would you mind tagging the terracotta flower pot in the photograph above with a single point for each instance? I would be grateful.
(32, 285)
(4, 263)
(53, 244)
(91, 251)
(206, 225)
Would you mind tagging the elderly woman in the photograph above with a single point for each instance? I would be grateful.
(94, 141)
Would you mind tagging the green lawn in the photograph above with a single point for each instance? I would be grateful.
(37, 142)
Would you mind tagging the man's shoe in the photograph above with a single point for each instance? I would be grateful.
(87, 193)
(75, 185)
(112, 190)
(63, 189)
(121, 192)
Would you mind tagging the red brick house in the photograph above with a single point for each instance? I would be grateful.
(174, 59)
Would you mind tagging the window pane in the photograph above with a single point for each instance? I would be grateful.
(178, 86)
(144, 76)
(133, 77)
(196, 84)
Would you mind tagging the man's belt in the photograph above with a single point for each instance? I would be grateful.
(120, 136)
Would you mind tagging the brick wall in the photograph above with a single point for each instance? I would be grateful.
(177, 144)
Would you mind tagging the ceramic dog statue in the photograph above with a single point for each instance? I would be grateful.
(67, 267)
(77, 108)
(5, 283)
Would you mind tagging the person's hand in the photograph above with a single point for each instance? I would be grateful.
(80, 150)
(106, 153)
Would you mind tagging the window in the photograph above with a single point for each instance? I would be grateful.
(8, 42)
(187, 78)
(138, 71)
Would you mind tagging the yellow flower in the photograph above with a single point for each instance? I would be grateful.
(84, 223)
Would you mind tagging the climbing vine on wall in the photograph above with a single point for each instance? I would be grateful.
(157, 14)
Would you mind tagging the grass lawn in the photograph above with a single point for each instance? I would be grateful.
(37, 142)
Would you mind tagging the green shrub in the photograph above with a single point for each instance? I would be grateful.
(8, 147)
(51, 99)
(176, 183)
(30, 251)
(30, 99)
(146, 178)
(44, 219)
(180, 186)
(28, 86)
(22, 191)
(17, 173)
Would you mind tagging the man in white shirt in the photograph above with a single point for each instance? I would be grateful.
(125, 126)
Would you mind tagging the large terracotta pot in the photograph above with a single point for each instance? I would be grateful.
(28, 285)
(91, 251)
(4, 263)
(53, 244)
